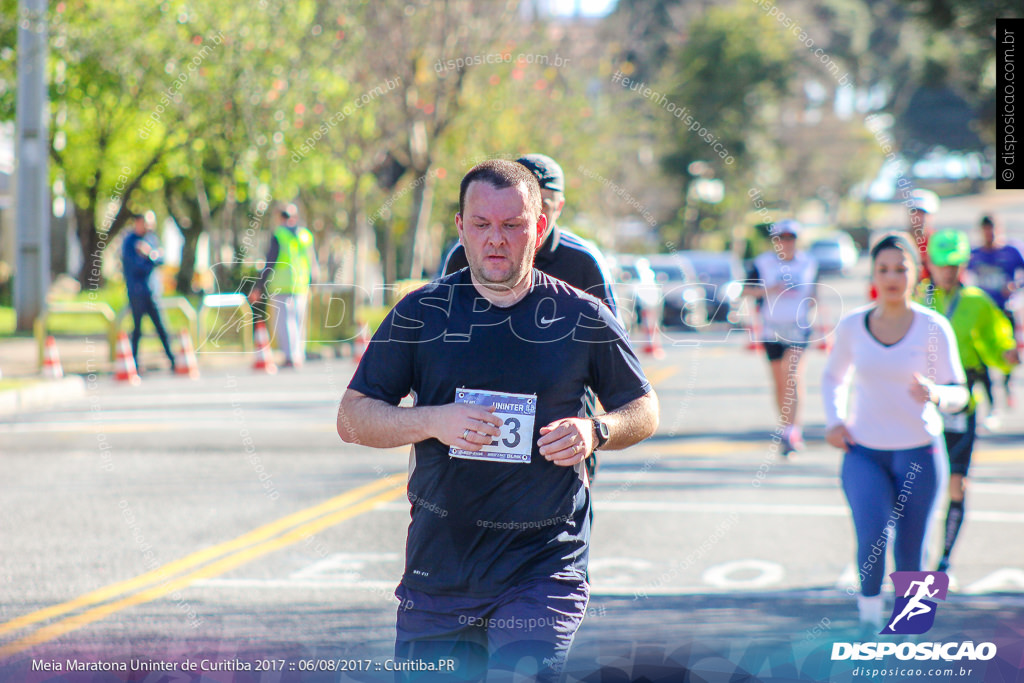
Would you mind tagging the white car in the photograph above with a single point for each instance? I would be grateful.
(683, 303)
(835, 253)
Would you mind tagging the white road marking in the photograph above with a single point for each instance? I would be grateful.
(1006, 579)
(781, 509)
(607, 570)
(771, 509)
(723, 575)
(294, 584)
(342, 566)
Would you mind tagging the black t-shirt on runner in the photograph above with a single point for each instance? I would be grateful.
(479, 528)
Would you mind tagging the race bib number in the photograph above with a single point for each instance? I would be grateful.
(956, 423)
(991, 277)
(516, 412)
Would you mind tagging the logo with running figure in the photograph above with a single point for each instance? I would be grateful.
(914, 612)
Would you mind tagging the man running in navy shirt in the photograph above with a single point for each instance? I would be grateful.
(498, 357)
(560, 253)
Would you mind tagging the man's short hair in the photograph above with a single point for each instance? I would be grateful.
(502, 174)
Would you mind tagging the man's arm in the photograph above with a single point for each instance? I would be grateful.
(627, 425)
(371, 422)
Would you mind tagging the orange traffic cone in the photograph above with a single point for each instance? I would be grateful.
(125, 370)
(52, 368)
(652, 345)
(264, 358)
(187, 363)
(362, 341)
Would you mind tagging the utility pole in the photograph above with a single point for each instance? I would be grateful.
(32, 208)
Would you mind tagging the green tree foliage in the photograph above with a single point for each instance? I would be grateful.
(730, 77)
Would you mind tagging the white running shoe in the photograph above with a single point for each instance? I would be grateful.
(992, 422)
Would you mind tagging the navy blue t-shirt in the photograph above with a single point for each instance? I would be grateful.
(479, 528)
(138, 269)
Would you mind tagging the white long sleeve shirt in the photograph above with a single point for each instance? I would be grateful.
(866, 384)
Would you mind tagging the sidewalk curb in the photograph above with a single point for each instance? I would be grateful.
(41, 395)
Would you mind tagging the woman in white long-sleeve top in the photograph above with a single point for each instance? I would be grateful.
(892, 369)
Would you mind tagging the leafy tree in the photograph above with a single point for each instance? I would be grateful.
(101, 100)
(730, 77)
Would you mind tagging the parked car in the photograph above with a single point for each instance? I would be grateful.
(682, 295)
(719, 273)
(836, 254)
(636, 288)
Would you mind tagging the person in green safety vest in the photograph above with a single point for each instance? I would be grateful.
(984, 338)
(290, 269)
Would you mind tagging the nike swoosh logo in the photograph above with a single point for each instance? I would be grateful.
(548, 321)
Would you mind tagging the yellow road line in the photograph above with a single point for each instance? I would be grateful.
(1001, 455)
(200, 557)
(219, 567)
(659, 375)
(226, 551)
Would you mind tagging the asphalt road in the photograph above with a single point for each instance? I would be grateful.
(223, 519)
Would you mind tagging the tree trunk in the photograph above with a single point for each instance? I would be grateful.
(187, 269)
(188, 216)
(357, 221)
(422, 203)
(59, 242)
(91, 276)
(388, 256)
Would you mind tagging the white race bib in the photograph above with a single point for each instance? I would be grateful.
(517, 413)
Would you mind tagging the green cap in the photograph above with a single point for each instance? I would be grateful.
(949, 248)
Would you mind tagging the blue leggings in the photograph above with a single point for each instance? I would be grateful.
(874, 481)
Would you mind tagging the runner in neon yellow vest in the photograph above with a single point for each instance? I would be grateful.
(984, 338)
(292, 271)
(290, 268)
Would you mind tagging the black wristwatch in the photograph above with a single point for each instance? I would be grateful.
(601, 433)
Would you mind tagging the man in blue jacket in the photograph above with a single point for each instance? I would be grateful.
(140, 255)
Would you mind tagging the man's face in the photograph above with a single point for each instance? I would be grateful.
(499, 233)
(787, 246)
(945, 277)
(988, 235)
(139, 226)
(921, 222)
(551, 205)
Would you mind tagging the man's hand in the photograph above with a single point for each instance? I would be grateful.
(1012, 357)
(566, 442)
(254, 295)
(142, 246)
(466, 426)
